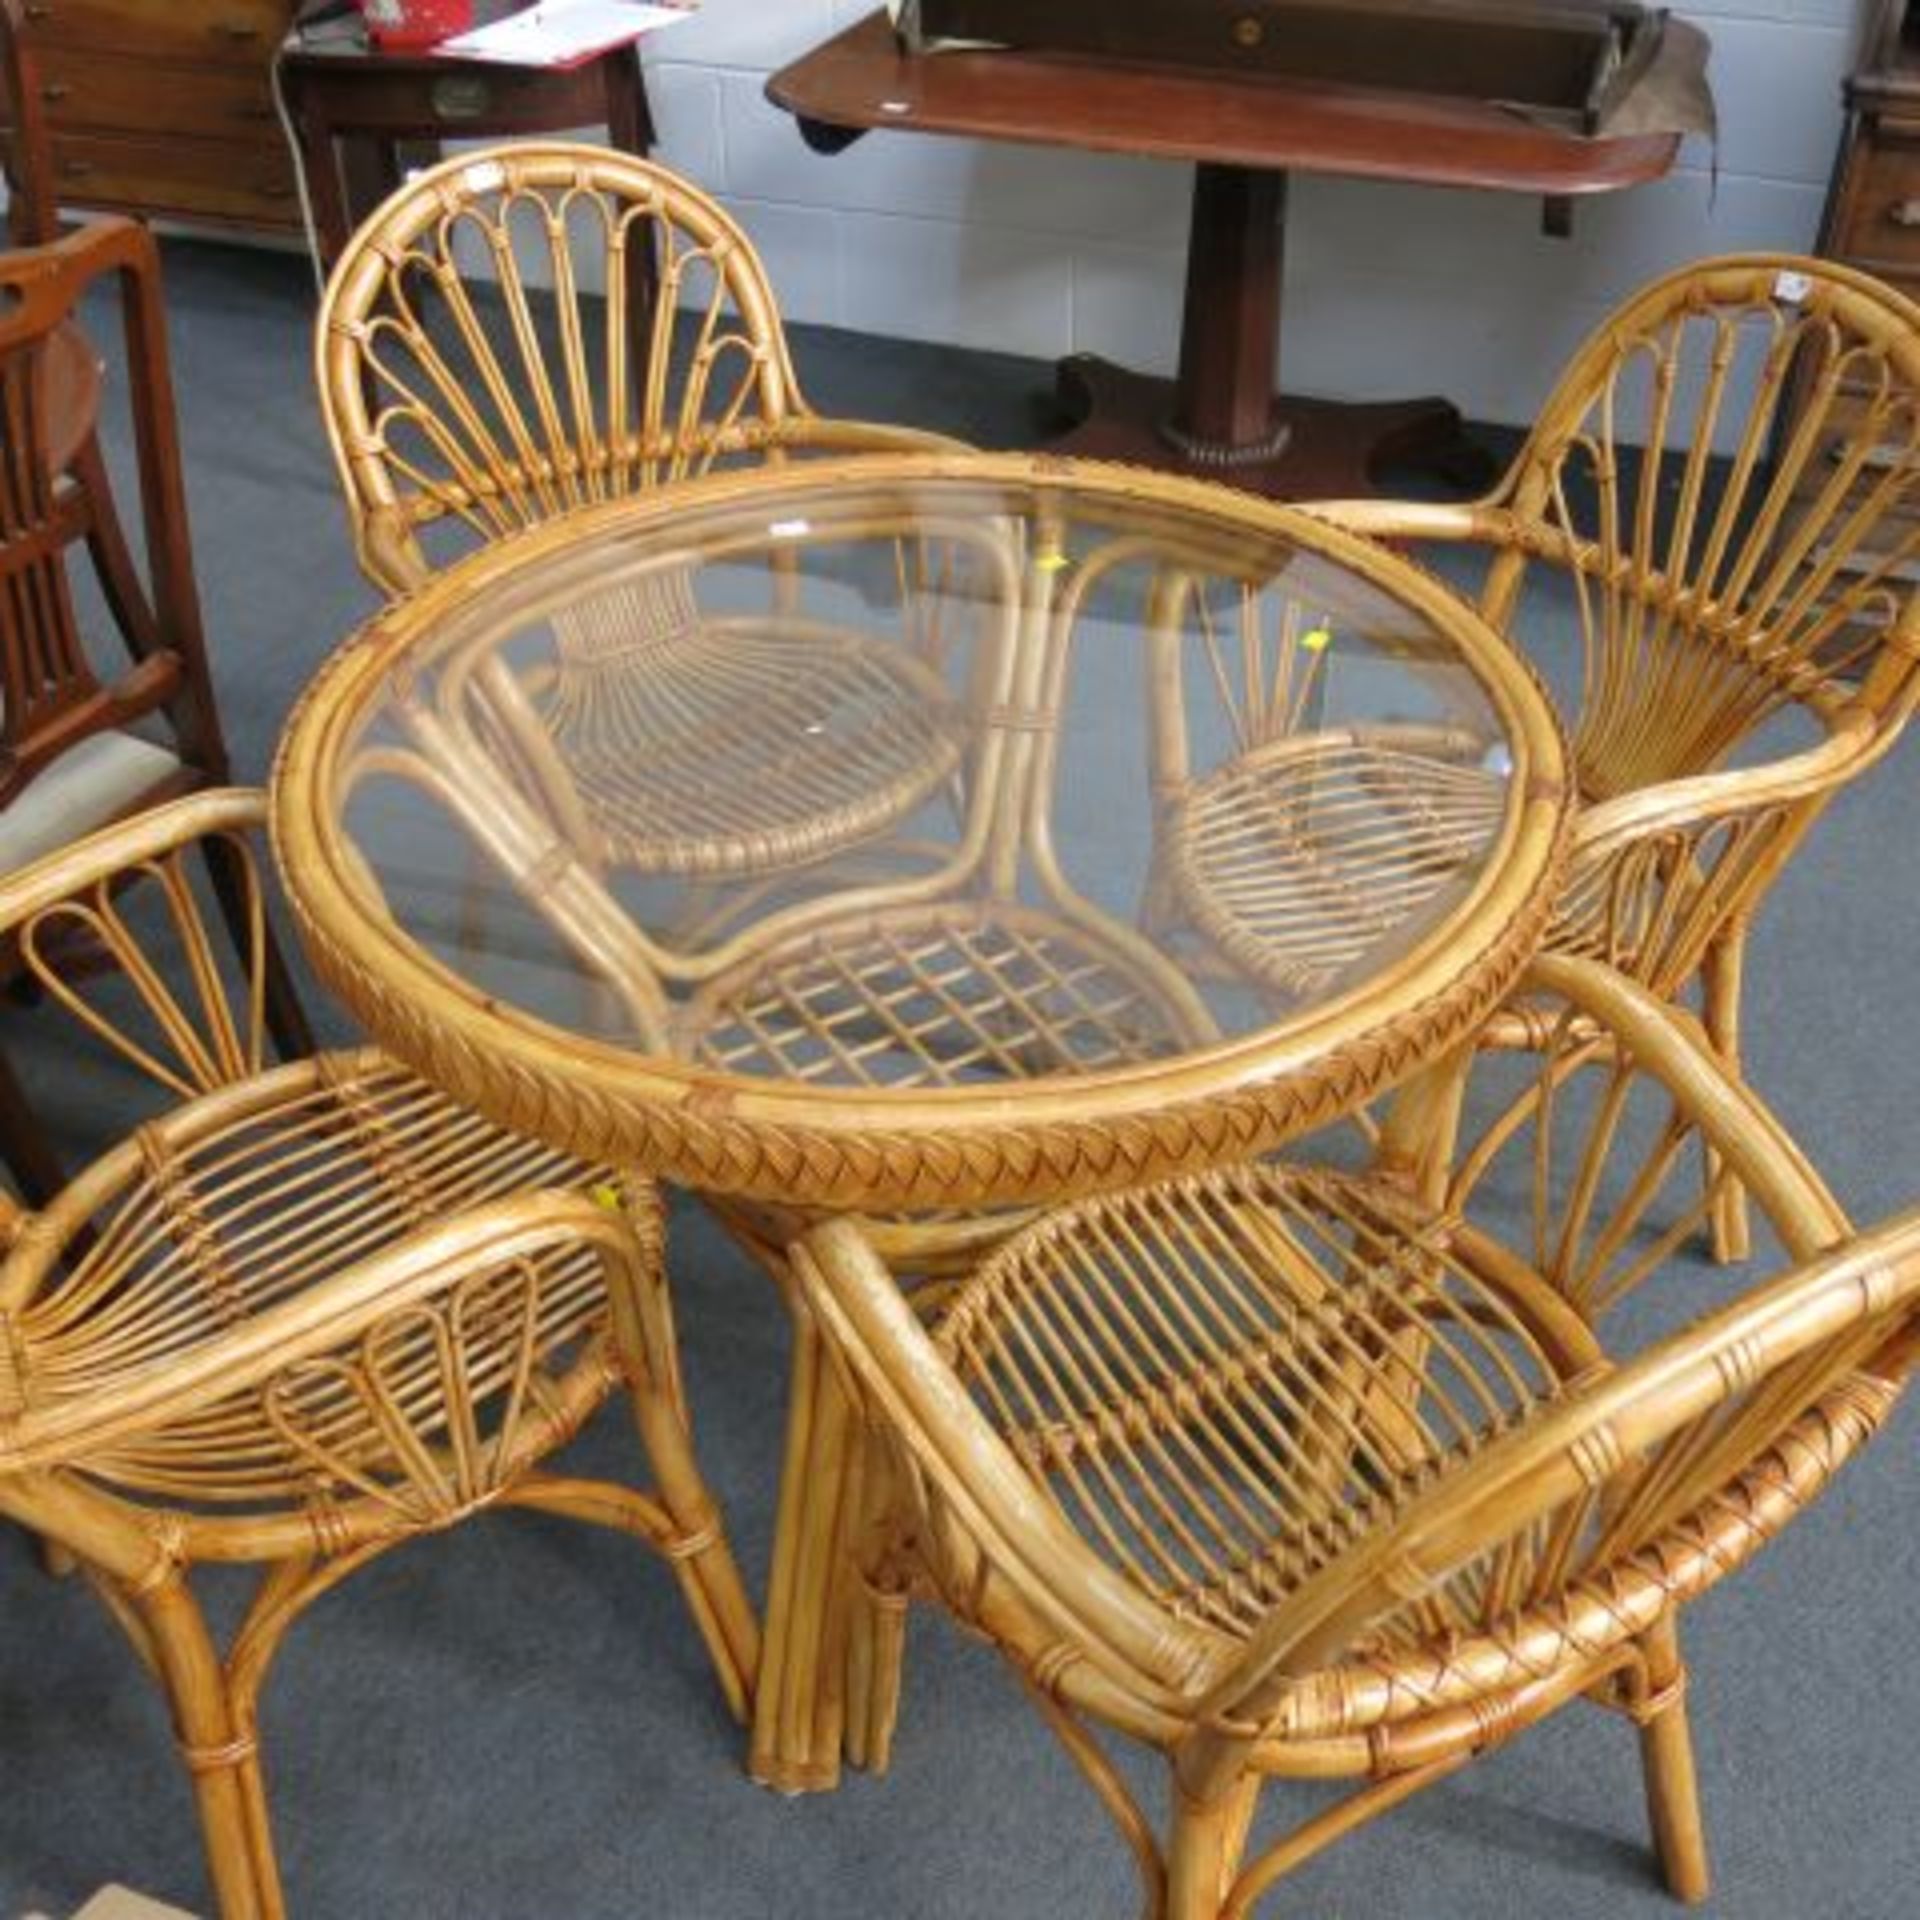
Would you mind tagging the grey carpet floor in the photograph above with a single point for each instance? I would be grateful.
(515, 1720)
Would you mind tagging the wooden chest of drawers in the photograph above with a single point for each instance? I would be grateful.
(165, 108)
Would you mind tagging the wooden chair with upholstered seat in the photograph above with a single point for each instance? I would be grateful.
(81, 746)
(1284, 1472)
(72, 373)
(540, 328)
(1721, 503)
(26, 155)
(306, 1313)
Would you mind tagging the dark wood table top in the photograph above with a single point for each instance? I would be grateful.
(860, 79)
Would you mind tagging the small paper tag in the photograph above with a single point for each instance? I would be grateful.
(1791, 289)
(484, 176)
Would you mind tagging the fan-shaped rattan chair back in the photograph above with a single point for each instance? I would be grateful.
(1727, 483)
(1730, 471)
(535, 328)
(1285, 1473)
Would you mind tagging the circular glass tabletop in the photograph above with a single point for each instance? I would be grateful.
(889, 792)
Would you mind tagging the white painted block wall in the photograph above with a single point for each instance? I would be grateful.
(1390, 289)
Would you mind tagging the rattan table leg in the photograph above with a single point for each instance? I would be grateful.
(1720, 976)
(799, 1703)
(1422, 1127)
(876, 1619)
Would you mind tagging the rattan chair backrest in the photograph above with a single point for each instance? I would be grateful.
(152, 934)
(533, 328)
(1730, 471)
(1639, 1490)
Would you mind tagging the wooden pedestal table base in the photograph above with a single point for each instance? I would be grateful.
(1224, 418)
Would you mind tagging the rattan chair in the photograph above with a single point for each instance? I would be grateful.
(308, 1312)
(1283, 1472)
(1725, 486)
(537, 328)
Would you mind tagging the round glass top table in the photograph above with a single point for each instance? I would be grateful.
(922, 832)
(923, 835)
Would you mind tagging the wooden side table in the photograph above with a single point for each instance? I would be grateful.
(353, 106)
(1224, 418)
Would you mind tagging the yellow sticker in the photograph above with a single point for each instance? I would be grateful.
(1053, 562)
(607, 1195)
(1317, 639)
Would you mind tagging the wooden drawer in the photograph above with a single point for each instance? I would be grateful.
(1846, 419)
(244, 32)
(190, 179)
(1877, 221)
(98, 91)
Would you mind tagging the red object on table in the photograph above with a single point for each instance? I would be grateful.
(1225, 417)
(362, 117)
(415, 23)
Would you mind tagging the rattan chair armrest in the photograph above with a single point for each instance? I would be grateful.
(319, 1321)
(389, 554)
(827, 434)
(1731, 1119)
(114, 849)
(1856, 741)
(1472, 522)
(1568, 1451)
(1021, 1534)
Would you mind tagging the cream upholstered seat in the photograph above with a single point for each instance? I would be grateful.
(102, 779)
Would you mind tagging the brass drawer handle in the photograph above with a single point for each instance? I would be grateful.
(1905, 213)
(39, 10)
(238, 29)
(55, 91)
(76, 169)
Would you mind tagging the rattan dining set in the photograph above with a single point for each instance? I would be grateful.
(1203, 1022)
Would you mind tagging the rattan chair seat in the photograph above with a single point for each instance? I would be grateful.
(703, 746)
(1224, 1384)
(623, 336)
(1304, 856)
(245, 1200)
(936, 995)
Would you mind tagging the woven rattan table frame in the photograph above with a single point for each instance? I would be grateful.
(819, 1147)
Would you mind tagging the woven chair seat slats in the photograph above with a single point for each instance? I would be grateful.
(1225, 1385)
(1304, 857)
(218, 1221)
(736, 745)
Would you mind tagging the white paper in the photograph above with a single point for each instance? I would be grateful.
(555, 32)
(895, 8)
